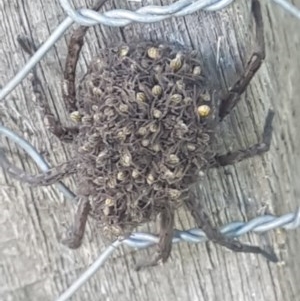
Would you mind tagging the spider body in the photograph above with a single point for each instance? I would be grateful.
(145, 122)
(141, 139)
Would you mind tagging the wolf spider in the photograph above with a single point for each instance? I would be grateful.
(223, 107)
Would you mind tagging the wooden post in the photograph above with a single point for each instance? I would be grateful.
(35, 266)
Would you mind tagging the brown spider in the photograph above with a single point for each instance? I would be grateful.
(145, 124)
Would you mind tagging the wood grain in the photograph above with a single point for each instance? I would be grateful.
(35, 266)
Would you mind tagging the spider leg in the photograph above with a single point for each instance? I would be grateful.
(203, 222)
(50, 177)
(74, 48)
(256, 149)
(232, 97)
(165, 240)
(64, 133)
(75, 234)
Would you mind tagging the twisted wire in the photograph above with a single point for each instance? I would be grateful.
(141, 240)
(152, 13)
(119, 18)
(148, 14)
(234, 229)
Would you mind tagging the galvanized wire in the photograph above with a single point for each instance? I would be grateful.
(89, 272)
(235, 229)
(290, 8)
(257, 225)
(148, 14)
(144, 240)
(120, 18)
(34, 154)
(152, 13)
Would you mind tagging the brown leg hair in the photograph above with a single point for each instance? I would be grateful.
(232, 97)
(228, 102)
(50, 177)
(75, 234)
(65, 134)
(74, 48)
(202, 220)
(256, 149)
(165, 240)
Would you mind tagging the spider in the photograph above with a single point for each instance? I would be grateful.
(145, 124)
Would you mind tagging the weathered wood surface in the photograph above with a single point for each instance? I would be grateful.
(35, 266)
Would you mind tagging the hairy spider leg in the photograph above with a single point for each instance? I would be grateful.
(74, 48)
(229, 100)
(165, 240)
(65, 134)
(75, 234)
(49, 177)
(202, 220)
(232, 97)
(253, 150)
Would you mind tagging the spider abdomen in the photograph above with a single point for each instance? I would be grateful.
(144, 131)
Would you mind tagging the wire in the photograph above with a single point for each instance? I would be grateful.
(152, 13)
(147, 14)
(288, 7)
(145, 240)
(38, 158)
(119, 18)
(89, 272)
(40, 53)
(140, 240)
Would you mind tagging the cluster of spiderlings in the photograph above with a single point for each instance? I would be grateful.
(142, 112)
